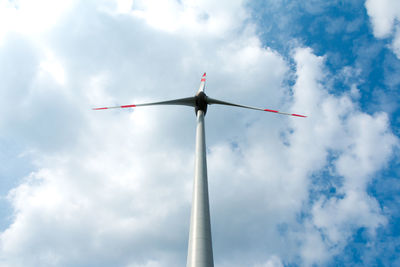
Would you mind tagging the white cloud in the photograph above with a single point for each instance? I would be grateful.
(396, 42)
(273, 261)
(30, 18)
(119, 189)
(385, 15)
(114, 188)
(192, 17)
(53, 67)
(363, 144)
(337, 218)
(313, 250)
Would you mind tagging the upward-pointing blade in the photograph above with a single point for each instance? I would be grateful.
(202, 83)
(216, 101)
(188, 101)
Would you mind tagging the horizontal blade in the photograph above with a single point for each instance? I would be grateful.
(212, 101)
(189, 101)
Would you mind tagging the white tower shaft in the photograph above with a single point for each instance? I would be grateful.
(200, 252)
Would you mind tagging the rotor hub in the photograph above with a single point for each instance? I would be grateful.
(201, 102)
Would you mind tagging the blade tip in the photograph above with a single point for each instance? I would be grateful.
(298, 115)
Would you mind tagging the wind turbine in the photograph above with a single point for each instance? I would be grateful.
(200, 252)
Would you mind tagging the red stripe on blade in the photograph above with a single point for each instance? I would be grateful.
(99, 108)
(297, 115)
(128, 106)
(203, 80)
(204, 75)
(271, 110)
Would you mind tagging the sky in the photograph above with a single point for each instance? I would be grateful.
(113, 188)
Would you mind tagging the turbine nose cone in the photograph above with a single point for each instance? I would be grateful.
(201, 102)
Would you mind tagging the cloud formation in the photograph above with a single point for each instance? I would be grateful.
(114, 188)
(385, 16)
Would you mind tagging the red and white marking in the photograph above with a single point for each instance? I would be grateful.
(125, 106)
(203, 79)
(284, 113)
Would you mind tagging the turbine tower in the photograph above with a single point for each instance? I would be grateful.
(200, 253)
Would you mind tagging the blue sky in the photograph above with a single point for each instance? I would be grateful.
(113, 188)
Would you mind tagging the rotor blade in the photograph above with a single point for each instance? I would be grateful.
(202, 83)
(216, 101)
(188, 101)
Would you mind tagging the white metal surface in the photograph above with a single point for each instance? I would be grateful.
(188, 101)
(200, 252)
(211, 101)
(202, 83)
